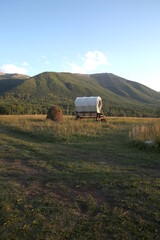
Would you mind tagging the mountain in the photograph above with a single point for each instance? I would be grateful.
(10, 81)
(127, 89)
(13, 76)
(119, 95)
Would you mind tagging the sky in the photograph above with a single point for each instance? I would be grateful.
(82, 36)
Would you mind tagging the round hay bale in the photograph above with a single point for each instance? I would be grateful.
(55, 114)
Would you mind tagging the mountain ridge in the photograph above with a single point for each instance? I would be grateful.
(13, 76)
(8, 81)
(63, 87)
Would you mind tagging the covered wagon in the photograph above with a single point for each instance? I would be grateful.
(88, 107)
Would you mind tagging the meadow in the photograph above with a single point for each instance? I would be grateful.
(79, 179)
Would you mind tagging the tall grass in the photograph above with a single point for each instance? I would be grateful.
(144, 132)
(36, 125)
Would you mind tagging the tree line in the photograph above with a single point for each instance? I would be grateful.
(36, 108)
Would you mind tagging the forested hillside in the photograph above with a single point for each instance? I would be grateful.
(34, 95)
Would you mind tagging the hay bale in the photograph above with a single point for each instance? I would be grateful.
(55, 114)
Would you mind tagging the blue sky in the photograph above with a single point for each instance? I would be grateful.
(88, 36)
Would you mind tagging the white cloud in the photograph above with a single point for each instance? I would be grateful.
(11, 68)
(25, 64)
(91, 60)
(47, 62)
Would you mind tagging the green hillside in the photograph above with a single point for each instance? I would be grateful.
(10, 81)
(127, 89)
(120, 96)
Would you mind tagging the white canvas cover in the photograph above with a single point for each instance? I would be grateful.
(88, 104)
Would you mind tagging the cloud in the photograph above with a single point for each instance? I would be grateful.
(46, 60)
(91, 61)
(25, 64)
(11, 68)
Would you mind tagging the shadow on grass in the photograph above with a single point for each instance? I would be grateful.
(92, 190)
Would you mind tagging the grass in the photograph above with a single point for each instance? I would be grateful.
(88, 183)
(146, 131)
(38, 127)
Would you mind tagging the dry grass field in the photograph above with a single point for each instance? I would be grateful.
(147, 131)
(37, 125)
(79, 179)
